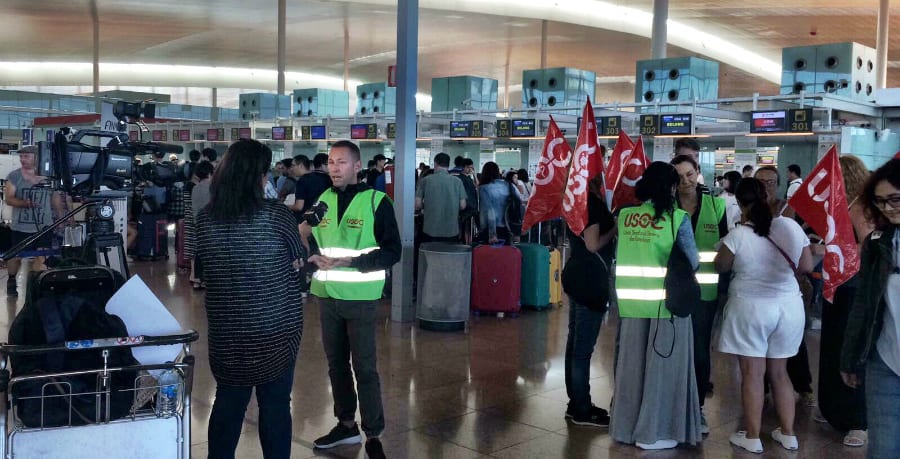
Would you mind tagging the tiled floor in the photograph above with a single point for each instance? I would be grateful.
(497, 391)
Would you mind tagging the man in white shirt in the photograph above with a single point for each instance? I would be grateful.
(794, 180)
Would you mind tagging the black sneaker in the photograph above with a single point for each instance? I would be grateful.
(11, 288)
(594, 418)
(339, 435)
(374, 450)
(595, 410)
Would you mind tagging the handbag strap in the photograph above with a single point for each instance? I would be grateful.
(784, 254)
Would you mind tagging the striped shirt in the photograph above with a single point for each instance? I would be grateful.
(253, 302)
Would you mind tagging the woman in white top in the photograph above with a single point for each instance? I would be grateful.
(763, 320)
(733, 210)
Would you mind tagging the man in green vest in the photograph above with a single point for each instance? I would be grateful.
(707, 214)
(358, 241)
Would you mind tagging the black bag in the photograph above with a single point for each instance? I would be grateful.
(586, 280)
(682, 288)
(69, 305)
(513, 214)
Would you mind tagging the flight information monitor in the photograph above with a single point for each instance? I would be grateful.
(460, 129)
(768, 121)
(363, 131)
(675, 124)
(317, 132)
(212, 135)
(523, 128)
(244, 133)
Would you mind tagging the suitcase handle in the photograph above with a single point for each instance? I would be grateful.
(184, 337)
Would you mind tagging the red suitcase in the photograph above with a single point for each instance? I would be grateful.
(496, 279)
(183, 261)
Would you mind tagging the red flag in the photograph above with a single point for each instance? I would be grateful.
(587, 139)
(550, 180)
(822, 204)
(617, 161)
(632, 171)
(586, 164)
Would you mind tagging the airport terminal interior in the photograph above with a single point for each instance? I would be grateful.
(767, 84)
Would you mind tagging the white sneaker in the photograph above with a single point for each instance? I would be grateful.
(704, 427)
(658, 444)
(789, 442)
(739, 439)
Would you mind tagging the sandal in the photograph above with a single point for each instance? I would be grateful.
(856, 438)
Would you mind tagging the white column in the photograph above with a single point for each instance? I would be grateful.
(660, 30)
(881, 44)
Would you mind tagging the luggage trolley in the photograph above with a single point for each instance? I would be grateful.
(145, 431)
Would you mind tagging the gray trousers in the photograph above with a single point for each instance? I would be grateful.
(348, 330)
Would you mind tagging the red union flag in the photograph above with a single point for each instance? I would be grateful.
(587, 140)
(633, 168)
(586, 163)
(617, 161)
(822, 204)
(550, 179)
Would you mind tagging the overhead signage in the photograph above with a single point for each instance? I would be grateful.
(133, 136)
(318, 132)
(789, 121)
(767, 160)
(184, 135)
(235, 134)
(282, 133)
(649, 125)
(220, 133)
(609, 126)
(157, 135)
(212, 135)
(392, 131)
(504, 128)
(364, 131)
(460, 129)
(675, 124)
(245, 133)
(477, 128)
(523, 128)
(599, 122)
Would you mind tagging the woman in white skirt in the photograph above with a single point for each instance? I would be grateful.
(763, 320)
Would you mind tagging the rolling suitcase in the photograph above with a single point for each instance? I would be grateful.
(535, 276)
(153, 237)
(555, 277)
(182, 261)
(496, 279)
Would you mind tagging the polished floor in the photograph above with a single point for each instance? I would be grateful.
(496, 391)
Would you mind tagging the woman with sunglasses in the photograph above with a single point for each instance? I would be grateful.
(871, 348)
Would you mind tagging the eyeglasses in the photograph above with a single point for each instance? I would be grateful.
(769, 182)
(882, 203)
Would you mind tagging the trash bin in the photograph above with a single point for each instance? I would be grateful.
(444, 281)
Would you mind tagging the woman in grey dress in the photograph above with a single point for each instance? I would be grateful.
(655, 402)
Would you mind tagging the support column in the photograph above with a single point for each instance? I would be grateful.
(402, 308)
(346, 51)
(544, 44)
(506, 76)
(881, 44)
(95, 19)
(660, 29)
(282, 21)
(214, 102)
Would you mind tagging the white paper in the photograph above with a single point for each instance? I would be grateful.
(144, 314)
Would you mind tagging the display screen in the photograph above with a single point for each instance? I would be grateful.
(133, 136)
(523, 128)
(278, 133)
(184, 135)
(317, 132)
(675, 124)
(212, 135)
(800, 120)
(599, 125)
(392, 130)
(234, 134)
(158, 136)
(363, 131)
(609, 125)
(503, 128)
(768, 121)
(460, 129)
(221, 133)
(244, 133)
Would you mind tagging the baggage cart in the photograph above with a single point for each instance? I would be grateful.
(147, 431)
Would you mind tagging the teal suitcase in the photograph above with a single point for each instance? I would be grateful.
(535, 276)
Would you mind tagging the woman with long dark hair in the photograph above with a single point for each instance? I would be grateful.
(251, 255)
(872, 339)
(492, 195)
(732, 209)
(762, 323)
(655, 403)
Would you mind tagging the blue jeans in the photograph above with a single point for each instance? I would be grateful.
(227, 418)
(882, 409)
(584, 327)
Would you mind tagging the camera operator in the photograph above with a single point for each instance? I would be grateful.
(33, 208)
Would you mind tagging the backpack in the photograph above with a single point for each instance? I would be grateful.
(513, 214)
(471, 209)
(62, 305)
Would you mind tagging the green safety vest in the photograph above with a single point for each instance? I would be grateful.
(642, 256)
(352, 236)
(706, 235)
